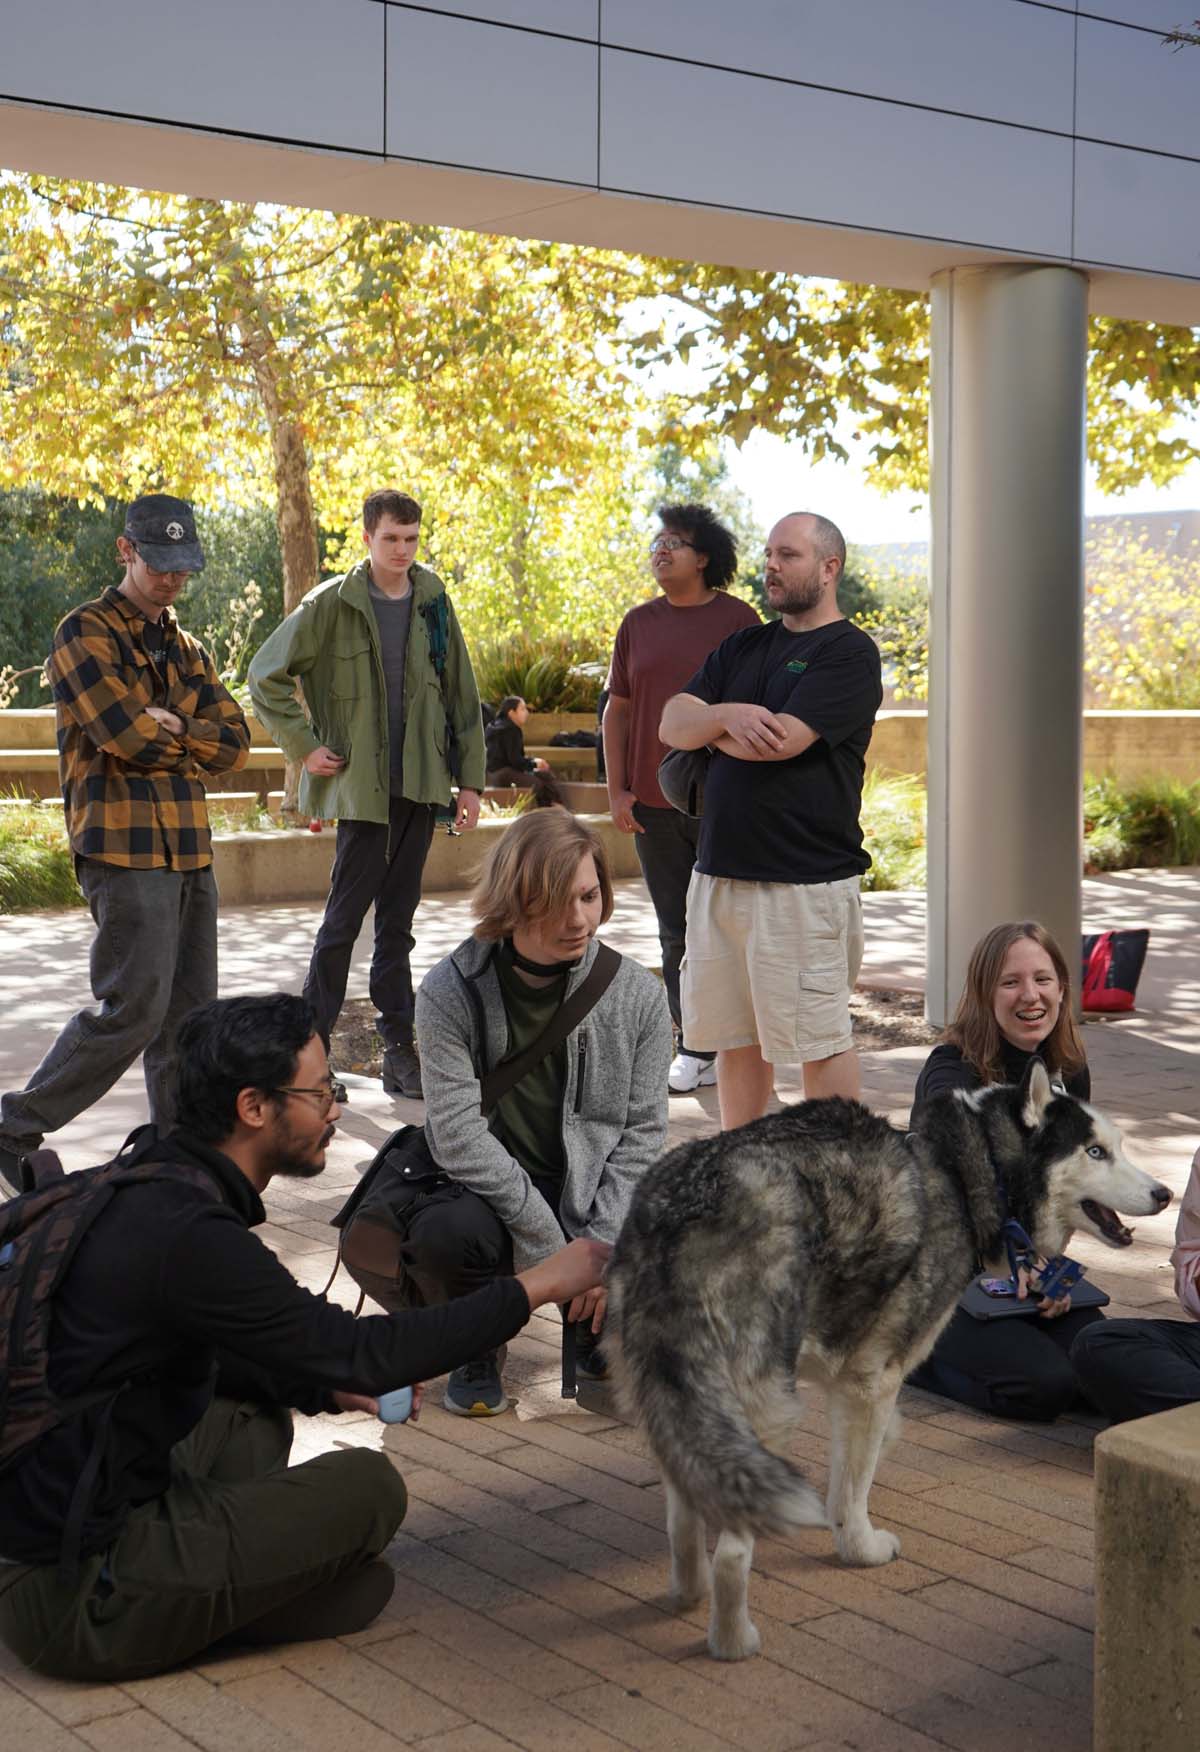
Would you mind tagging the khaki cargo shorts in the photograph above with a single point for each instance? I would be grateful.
(771, 963)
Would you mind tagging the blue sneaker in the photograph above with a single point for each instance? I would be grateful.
(476, 1390)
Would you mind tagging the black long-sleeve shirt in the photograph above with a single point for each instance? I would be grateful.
(946, 1068)
(170, 1292)
(506, 746)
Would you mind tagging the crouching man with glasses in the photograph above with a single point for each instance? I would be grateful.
(157, 1514)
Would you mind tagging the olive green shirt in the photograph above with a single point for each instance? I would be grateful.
(530, 1115)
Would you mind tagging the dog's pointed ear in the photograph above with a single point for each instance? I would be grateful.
(1036, 1093)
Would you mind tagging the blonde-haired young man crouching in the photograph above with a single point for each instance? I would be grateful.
(560, 1153)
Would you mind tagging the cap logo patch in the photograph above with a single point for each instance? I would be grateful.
(175, 531)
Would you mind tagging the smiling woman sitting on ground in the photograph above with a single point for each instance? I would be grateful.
(1015, 1005)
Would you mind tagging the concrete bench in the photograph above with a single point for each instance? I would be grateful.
(567, 763)
(294, 864)
(1148, 1584)
(583, 798)
(33, 772)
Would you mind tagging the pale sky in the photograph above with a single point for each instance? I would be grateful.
(777, 478)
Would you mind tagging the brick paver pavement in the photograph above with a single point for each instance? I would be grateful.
(530, 1604)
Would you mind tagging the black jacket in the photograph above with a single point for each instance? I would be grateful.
(946, 1068)
(170, 1292)
(506, 746)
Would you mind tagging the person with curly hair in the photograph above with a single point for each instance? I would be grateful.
(659, 645)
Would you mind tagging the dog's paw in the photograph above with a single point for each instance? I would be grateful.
(733, 1643)
(867, 1547)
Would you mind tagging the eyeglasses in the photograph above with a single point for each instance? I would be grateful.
(324, 1091)
(667, 544)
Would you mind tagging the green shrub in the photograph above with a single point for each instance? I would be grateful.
(55, 553)
(1143, 822)
(551, 673)
(36, 866)
(893, 824)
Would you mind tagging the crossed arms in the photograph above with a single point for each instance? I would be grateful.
(736, 727)
(92, 682)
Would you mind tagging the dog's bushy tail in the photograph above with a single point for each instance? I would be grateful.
(709, 1437)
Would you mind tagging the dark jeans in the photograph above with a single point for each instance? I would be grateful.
(511, 776)
(379, 865)
(666, 850)
(154, 957)
(1133, 1368)
(239, 1539)
(1017, 1367)
(455, 1243)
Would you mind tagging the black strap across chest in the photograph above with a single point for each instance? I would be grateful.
(568, 1016)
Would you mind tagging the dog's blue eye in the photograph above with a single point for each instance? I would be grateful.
(1097, 1150)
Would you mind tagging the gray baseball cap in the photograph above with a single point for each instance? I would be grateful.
(163, 530)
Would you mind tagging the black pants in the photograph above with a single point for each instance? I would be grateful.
(1019, 1367)
(455, 1243)
(379, 865)
(666, 850)
(1133, 1368)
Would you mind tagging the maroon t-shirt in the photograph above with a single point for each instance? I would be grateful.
(658, 650)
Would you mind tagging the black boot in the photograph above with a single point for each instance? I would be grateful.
(402, 1072)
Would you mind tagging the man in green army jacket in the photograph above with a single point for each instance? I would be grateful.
(392, 720)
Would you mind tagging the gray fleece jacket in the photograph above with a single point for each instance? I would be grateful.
(614, 1117)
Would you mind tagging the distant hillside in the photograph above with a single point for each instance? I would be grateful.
(1174, 532)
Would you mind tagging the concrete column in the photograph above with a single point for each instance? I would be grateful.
(1008, 390)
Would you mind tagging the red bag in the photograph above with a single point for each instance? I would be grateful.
(1112, 966)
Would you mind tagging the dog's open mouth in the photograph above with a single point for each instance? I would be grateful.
(1108, 1222)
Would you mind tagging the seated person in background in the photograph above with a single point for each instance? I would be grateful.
(564, 1149)
(1133, 1368)
(1016, 1003)
(507, 762)
(160, 1514)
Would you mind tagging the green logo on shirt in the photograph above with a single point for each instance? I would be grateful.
(797, 665)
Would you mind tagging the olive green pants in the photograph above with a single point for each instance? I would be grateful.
(238, 1539)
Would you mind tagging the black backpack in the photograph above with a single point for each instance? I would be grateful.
(39, 1232)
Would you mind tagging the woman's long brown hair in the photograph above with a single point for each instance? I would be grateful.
(975, 1031)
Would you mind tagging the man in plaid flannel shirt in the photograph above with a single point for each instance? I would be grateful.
(142, 718)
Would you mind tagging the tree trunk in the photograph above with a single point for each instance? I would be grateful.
(516, 570)
(294, 515)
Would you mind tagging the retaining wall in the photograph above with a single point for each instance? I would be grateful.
(294, 864)
(1129, 745)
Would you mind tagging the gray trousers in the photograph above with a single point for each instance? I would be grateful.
(240, 1539)
(154, 957)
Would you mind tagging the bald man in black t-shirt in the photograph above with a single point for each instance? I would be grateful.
(774, 937)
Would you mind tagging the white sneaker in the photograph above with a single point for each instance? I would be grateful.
(688, 1072)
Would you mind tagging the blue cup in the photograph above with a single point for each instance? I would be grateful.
(396, 1406)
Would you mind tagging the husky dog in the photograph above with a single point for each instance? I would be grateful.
(823, 1243)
